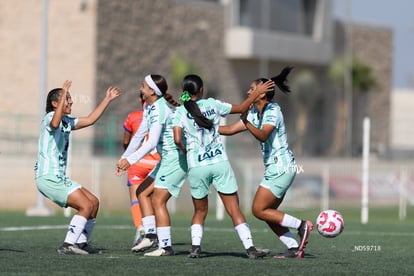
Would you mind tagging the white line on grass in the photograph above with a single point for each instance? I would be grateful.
(208, 229)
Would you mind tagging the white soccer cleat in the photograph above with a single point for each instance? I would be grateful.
(144, 245)
(70, 249)
(166, 251)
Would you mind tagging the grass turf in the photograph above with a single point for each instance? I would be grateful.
(383, 246)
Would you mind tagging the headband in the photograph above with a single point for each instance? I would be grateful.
(152, 85)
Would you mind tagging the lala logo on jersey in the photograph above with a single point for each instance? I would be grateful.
(209, 155)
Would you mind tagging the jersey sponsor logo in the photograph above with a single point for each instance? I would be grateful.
(209, 155)
(208, 113)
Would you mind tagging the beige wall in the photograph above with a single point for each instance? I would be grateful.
(71, 55)
(402, 119)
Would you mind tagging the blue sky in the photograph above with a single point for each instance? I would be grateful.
(397, 15)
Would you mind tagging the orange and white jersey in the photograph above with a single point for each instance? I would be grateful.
(131, 125)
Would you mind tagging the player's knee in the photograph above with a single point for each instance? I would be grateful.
(257, 211)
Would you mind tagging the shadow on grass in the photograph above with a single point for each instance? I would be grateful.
(12, 250)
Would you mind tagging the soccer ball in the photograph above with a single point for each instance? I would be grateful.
(330, 223)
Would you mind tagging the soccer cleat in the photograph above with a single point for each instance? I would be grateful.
(253, 253)
(88, 248)
(149, 241)
(195, 251)
(293, 252)
(304, 230)
(70, 249)
(139, 236)
(165, 251)
(264, 250)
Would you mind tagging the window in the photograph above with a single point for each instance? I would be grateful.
(295, 16)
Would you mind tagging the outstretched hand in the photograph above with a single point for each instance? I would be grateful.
(264, 87)
(66, 85)
(122, 166)
(112, 93)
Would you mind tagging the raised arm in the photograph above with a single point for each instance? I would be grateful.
(59, 110)
(260, 90)
(232, 129)
(111, 93)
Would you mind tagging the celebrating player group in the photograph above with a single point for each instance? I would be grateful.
(165, 142)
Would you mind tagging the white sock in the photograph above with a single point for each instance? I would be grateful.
(164, 236)
(245, 235)
(87, 231)
(290, 222)
(149, 225)
(76, 226)
(196, 234)
(289, 240)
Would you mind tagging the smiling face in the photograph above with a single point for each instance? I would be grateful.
(67, 106)
(252, 88)
(148, 94)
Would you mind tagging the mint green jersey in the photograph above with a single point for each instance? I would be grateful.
(204, 147)
(275, 150)
(161, 113)
(53, 146)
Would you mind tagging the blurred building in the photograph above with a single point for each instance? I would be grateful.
(99, 43)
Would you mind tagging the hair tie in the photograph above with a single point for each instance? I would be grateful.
(185, 97)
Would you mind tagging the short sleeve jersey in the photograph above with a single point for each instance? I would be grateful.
(131, 125)
(53, 146)
(275, 149)
(161, 113)
(204, 146)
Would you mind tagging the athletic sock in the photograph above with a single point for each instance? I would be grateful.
(149, 224)
(87, 231)
(289, 240)
(164, 236)
(136, 213)
(76, 226)
(245, 235)
(290, 222)
(196, 234)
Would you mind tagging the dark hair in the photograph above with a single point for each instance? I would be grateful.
(161, 83)
(52, 96)
(280, 80)
(193, 84)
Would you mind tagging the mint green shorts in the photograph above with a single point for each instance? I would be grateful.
(278, 179)
(170, 173)
(221, 175)
(57, 189)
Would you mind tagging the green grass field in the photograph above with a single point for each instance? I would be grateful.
(384, 246)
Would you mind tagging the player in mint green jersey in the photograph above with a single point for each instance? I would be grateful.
(265, 122)
(198, 120)
(170, 172)
(50, 168)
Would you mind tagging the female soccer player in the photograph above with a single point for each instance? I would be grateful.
(138, 171)
(265, 122)
(198, 119)
(50, 168)
(169, 173)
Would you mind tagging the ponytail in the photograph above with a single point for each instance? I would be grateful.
(281, 79)
(192, 84)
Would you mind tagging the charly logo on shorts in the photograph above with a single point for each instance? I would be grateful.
(67, 182)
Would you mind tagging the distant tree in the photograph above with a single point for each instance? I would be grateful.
(362, 82)
(180, 67)
(306, 91)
